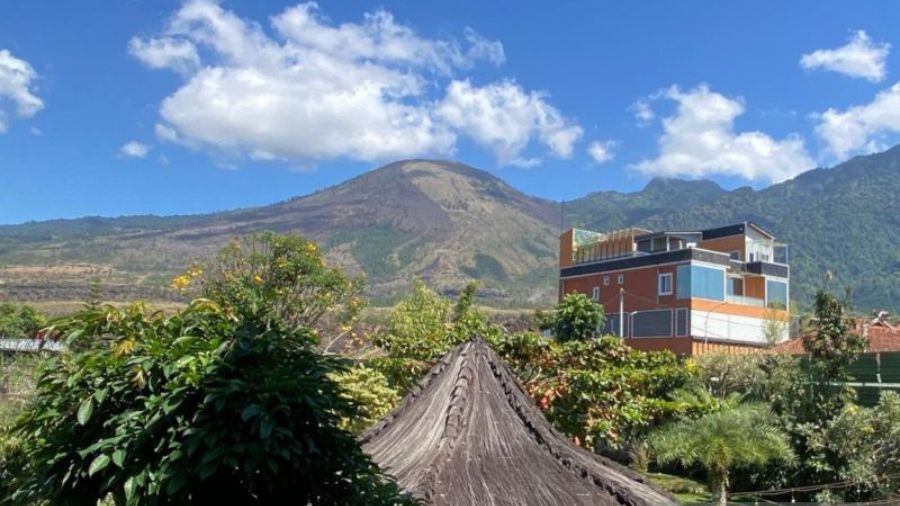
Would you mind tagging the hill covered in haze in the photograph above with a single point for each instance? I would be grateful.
(448, 223)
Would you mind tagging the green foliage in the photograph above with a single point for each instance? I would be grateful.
(831, 348)
(576, 317)
(723, 374)
(204, 406)
(600, 392)
(867, 442)
(20, 321)
(225, 401)
(425, 326)
(283, 276)
(368, 390)
(721, 441)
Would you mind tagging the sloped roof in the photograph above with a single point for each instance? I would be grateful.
(468, 434)
(882, 339)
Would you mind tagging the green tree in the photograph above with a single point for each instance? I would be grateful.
(225, 401)
(576, 317)
(282, 276)
(722, 374)
(721, 441)
(867, 442)
(423, 327)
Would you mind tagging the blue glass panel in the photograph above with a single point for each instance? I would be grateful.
(683, 282)
(776, 294)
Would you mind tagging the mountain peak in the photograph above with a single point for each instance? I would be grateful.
(666, 184)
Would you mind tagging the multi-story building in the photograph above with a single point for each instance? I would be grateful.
(722, 289)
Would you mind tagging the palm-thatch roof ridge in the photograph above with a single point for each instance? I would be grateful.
(469, 434)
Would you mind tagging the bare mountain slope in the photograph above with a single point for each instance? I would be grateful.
(443, 221)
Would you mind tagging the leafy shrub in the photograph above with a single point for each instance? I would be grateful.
(20, 321)
(576, 317)
(368, 389)
(202, 406)
(283, 276)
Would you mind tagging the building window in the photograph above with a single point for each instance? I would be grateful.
(665, 284)
(620, 279)
(652, 323)
(735, 255)
(595, 294)
(700, 282)
(681, 322)
(605, 280)
(776, 294)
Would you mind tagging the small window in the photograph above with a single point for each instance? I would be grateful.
(735, 255)
(665, 283)
(596, 294)
(681, 322)
(605, 280)
(620, 279)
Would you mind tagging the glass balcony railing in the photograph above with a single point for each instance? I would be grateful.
(744, 300)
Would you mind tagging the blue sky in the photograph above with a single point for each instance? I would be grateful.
(164, 107)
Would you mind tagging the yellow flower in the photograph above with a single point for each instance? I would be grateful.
(257, 279)
(181, 282)
(311, 248)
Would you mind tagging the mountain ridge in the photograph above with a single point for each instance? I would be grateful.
(448, 222)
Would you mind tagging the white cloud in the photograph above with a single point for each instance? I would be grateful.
(861, 128)
(315, 90)
(177, 54)
(134, 149)
(860, 57)
(699, 140)
(602, 151)
(16, 90)
(642, 111)
(504, 118)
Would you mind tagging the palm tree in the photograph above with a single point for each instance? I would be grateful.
(735, 436)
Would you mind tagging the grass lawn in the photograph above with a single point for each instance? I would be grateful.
(685, 490)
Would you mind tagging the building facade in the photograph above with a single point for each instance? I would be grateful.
(722, 289)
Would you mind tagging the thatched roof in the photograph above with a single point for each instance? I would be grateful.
(469, 434)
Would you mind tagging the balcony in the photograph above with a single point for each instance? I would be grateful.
(745, 301)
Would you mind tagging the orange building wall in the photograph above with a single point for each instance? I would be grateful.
(677, 345)
(726, 244)
(700, 348)
(566, 242)
(755, 286)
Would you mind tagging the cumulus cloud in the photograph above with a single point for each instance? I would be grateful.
(504, 118)
(699, 140)
(860, 57)
(16, 89)
(602, 151)
(310, 89)
(861, 128)
(134, 149)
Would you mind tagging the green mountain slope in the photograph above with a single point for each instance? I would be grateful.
(844, 220)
